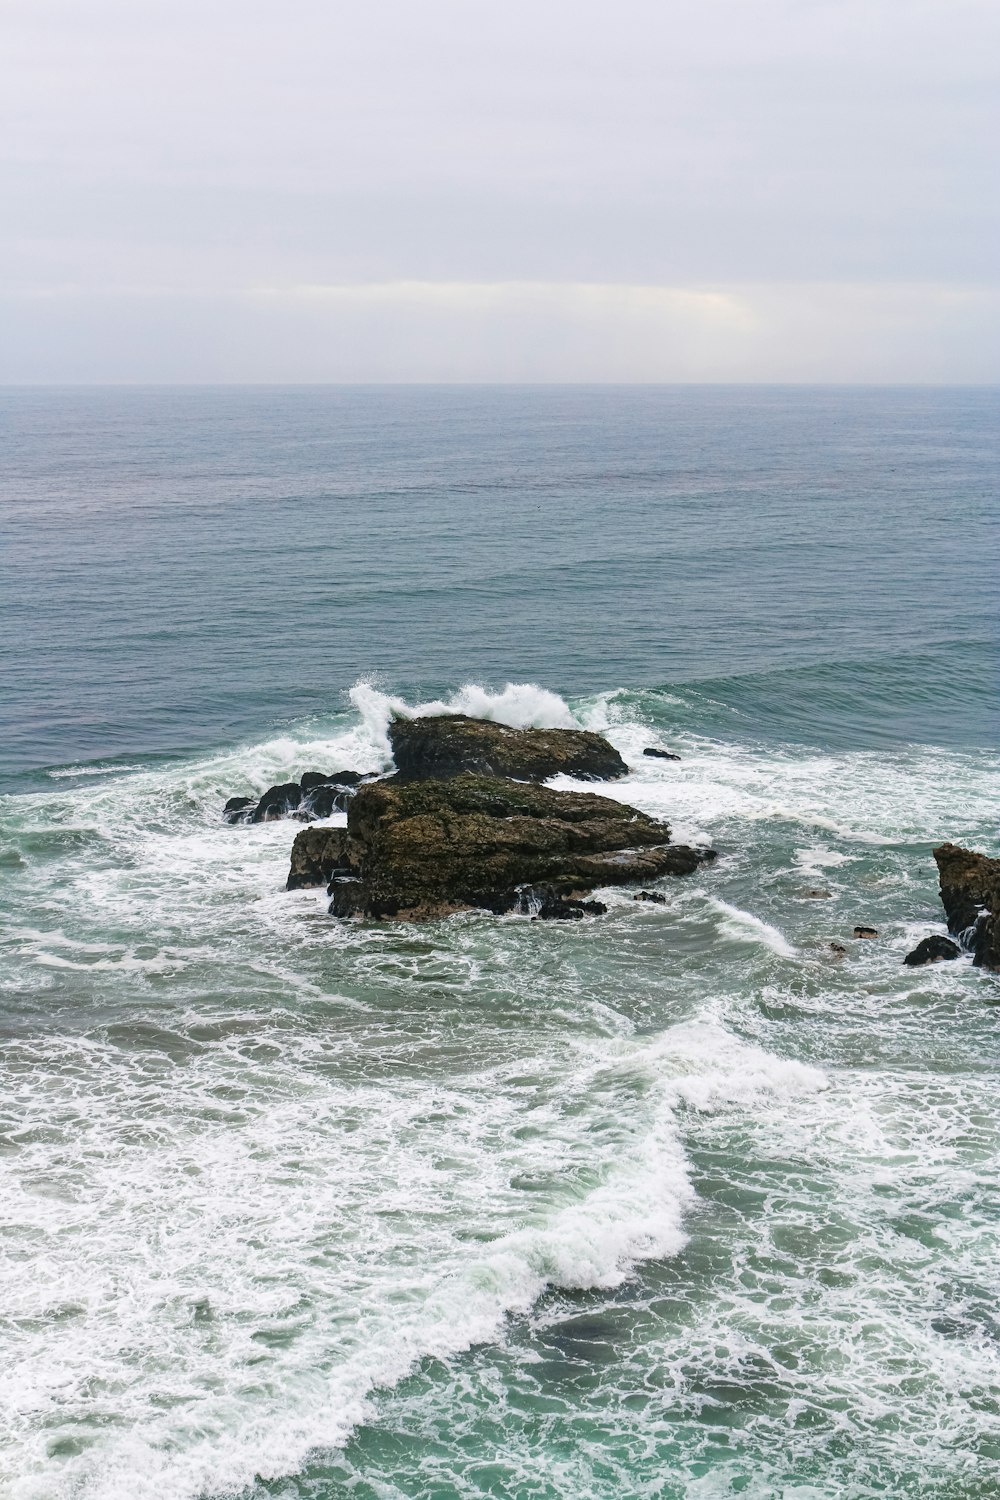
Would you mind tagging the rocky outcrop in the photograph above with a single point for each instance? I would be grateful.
(970, 894)
(425, 848)
(655, 753)
(931, 950)
(447, 745)
(317, 854)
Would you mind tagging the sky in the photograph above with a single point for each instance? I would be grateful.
(455, 190)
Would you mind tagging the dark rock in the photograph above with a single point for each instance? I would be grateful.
(324, 800)
(656, 754)
(235, 810)
(310, 779)
(347, 898)
(277, 802)
(313, 779)
(970, 894)
(866, 932)
(838, 949)
(932, 950)
(449, 745)
(815, 894)
(424, 848)
(548, 905)
(316, 854)
(656, 896)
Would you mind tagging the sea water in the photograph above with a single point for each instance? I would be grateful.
(680, 1201)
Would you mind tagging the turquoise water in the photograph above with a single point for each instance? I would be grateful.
(677, 1202)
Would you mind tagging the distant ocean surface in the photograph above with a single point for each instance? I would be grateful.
(675, 1202)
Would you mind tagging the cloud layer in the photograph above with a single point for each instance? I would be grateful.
(655, 190)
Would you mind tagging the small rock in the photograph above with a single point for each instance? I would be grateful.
(838, 949)
(816, 894)
(324, 800)
(931, 951)
(656, 896)
(656, 754)
(866, 932)
(277, 802)
(235, 809)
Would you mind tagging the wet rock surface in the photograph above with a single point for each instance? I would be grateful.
(448, 745)
(932, 950)
(317, 794)
(970, 895)
(425, 848)
(655, 753)
(316, 854)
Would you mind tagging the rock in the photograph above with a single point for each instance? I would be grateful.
(425, 848)
(313, 779)
(932, 950)
(866, 932)
(970, 894)
(316, 853)
(277, 802)
(545, 904)
(838, 949)
(656, 754)
(815, 894)
(235, 809)
(324, 800)
(449, 745)
(656, 896)
(347, 897)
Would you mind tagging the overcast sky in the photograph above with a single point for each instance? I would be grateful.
(217, 190)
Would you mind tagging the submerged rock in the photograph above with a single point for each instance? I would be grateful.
(424, 848)
(656, 896)
(655, 753)
(932, 950)
(866, 932)
(970, 894)
(449, 745)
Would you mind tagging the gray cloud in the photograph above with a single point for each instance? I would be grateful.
(241, 191)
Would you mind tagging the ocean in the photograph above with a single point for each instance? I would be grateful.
(675, 1202)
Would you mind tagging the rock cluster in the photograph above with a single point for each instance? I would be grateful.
(316, 795)
(463, 823)
(424, 848)
(970, 894)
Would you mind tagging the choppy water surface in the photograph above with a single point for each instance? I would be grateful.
(676, 1202)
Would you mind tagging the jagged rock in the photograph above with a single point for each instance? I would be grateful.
(866, 932)
(656, 754)
(313, 779)
(656, 896)
(424, 848)
(316, 853)
(235, 810)
(544, 904)
(277, 802)
(970, 894)
(932, 950)
(449, 745)
(324, 800)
